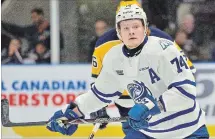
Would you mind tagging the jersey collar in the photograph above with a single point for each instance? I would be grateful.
(134, 52)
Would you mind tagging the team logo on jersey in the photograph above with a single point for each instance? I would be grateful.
(138, 91)
(165, 43)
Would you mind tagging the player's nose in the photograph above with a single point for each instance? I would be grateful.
(131, 32)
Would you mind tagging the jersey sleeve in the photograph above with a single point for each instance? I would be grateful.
(96, 66)
(98, 56)
(105, 90)
(173, 69)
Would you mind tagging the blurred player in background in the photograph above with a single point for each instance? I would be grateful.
(147, 67)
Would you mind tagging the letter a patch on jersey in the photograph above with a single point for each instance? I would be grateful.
(154, 77)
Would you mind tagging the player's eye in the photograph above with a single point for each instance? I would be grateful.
(136, 26)
(125, 28)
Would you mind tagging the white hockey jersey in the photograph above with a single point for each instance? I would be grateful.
(160, 69)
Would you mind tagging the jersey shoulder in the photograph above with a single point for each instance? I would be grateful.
(104, 48)
(99, 54)
(106, 37)
(114, 53)
(155, 45)
(158, 45)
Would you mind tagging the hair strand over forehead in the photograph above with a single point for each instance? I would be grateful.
(118, 25)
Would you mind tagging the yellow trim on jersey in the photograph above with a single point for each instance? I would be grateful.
(99, 54)
(190, 64)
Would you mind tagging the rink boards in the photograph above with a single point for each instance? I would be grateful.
(113, 131)
(35, 92)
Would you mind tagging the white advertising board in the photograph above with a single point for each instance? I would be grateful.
(35, 92)
(205, 79)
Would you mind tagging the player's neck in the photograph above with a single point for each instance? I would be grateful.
(134, 52)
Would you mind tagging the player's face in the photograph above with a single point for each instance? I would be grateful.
(132, 32)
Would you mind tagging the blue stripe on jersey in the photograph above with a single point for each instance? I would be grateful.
(185, 125)
(100, 98)
(162, 102)
(177, 114)
(180, 89)
(106, 95)
(176, 84)
(172, 116)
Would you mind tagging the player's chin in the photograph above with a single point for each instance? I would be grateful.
(134, 44)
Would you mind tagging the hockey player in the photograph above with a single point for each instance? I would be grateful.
(103, 45)
(147, 67)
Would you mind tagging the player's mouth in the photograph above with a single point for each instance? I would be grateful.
(132, 38)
